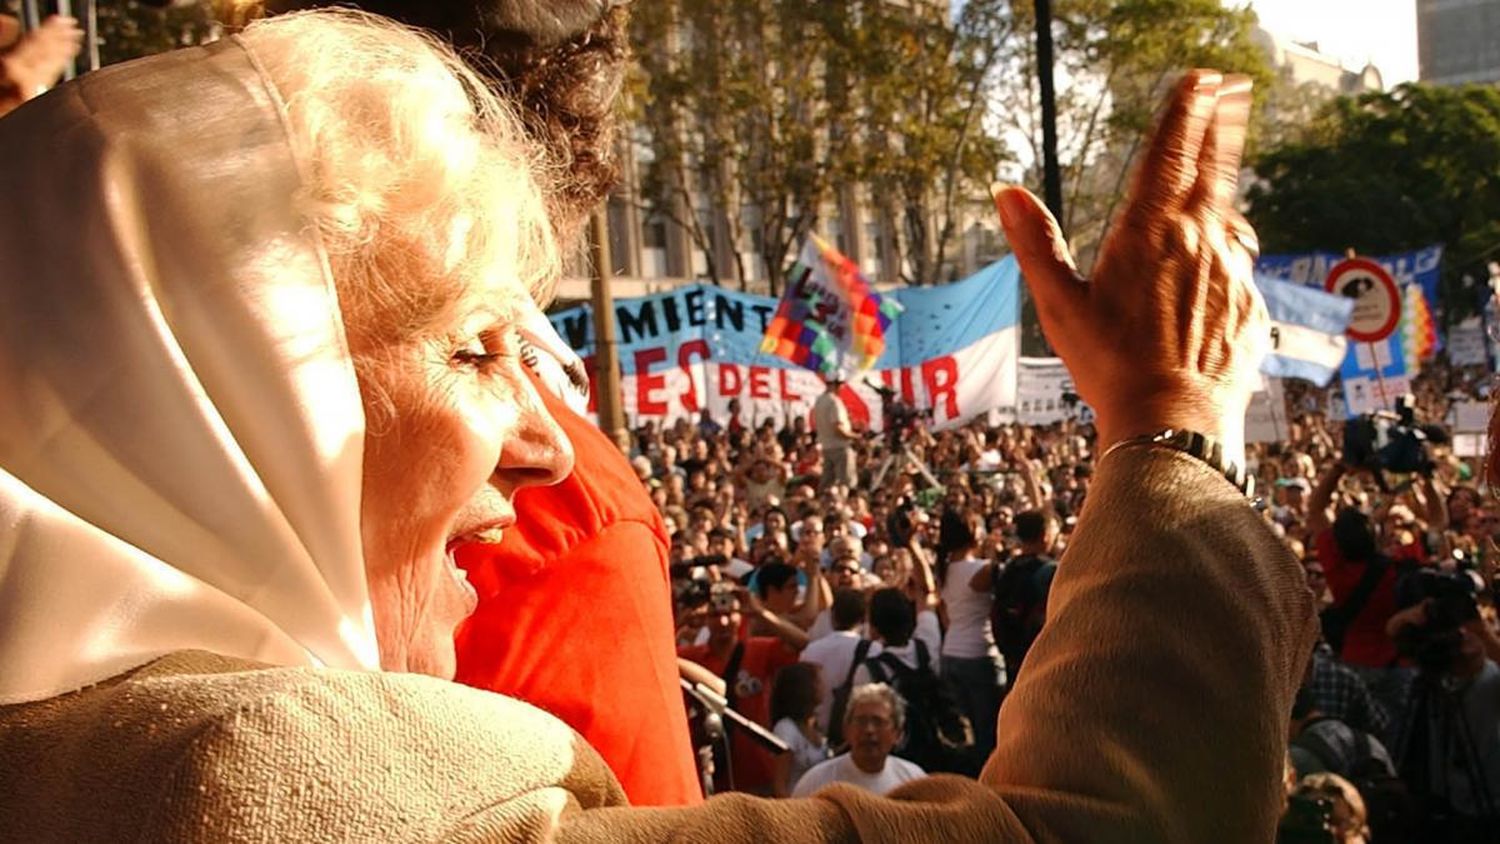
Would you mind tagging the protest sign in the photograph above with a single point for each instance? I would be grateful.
(953, 350)
(1045, 394)
(1265, 419)
(1466, 343)
(1374, 376)
(1470, 417)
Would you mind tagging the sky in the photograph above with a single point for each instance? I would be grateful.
(1356, 31)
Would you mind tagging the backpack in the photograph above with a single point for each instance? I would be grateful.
(1020, 604)
(841, 695)
(1390, 808)
(939, 736)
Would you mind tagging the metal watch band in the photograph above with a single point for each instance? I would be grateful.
(1201, 446)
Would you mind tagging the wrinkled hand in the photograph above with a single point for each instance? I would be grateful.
(37, 60)
(1169, 330)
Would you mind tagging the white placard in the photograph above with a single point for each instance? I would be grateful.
(1468, 445)
(1265, 419)
(1368, 394)
(1471, 417)
(1368, 353)
(1040, 386)
(1466, 343)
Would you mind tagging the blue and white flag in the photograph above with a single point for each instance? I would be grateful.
(954, 351)
(1308, 325)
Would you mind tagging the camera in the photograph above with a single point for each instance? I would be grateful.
(1434, 644)
(897, 417)
(722, 597)
(1392, 442)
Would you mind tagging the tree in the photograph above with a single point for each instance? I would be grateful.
(1116, 59)
(1388, 172)
(757, 111)
(130, 30)
(920, 84)
(731, 105)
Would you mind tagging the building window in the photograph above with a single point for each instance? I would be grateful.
(654, 232)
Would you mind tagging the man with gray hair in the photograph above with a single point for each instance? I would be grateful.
(872, 724)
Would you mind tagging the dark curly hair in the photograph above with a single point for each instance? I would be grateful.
(561, 61)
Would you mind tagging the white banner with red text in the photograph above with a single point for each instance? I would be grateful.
(953, 351)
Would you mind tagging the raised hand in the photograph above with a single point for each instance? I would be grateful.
(1168, 331)
(38, 58)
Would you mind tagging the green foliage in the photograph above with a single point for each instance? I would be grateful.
(1116, 59)
(1387, 172)
(779, 105)
(919, 83)
(757, 111)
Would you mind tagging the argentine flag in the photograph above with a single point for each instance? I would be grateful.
(1307, 333)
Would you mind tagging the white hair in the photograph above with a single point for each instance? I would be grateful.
(418, 179)
(882, 693)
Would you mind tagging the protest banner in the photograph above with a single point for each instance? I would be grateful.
(1045, 394)
(953, 350)
(1422, 266)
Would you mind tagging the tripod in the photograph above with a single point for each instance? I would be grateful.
(901, 459)
(1437, 733)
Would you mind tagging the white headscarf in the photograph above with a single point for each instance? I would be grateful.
(180, 425)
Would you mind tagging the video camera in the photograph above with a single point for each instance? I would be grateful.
(898, 418)
(1434, 644)
(1391, 442)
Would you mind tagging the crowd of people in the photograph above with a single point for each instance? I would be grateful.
(876, 627)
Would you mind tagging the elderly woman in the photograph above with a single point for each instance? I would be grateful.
(264, 305)
(264, 313)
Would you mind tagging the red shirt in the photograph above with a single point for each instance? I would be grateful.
(575, 616)
(764, 656)
(1365, 642)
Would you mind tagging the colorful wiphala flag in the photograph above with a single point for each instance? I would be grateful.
(1418, 334)
(830, 320)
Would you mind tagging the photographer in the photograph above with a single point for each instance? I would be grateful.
(1363, 583)
(1450, 750)
(747, 665)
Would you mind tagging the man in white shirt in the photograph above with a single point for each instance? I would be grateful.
(873, 724)
(835, 435)
(834, 652)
